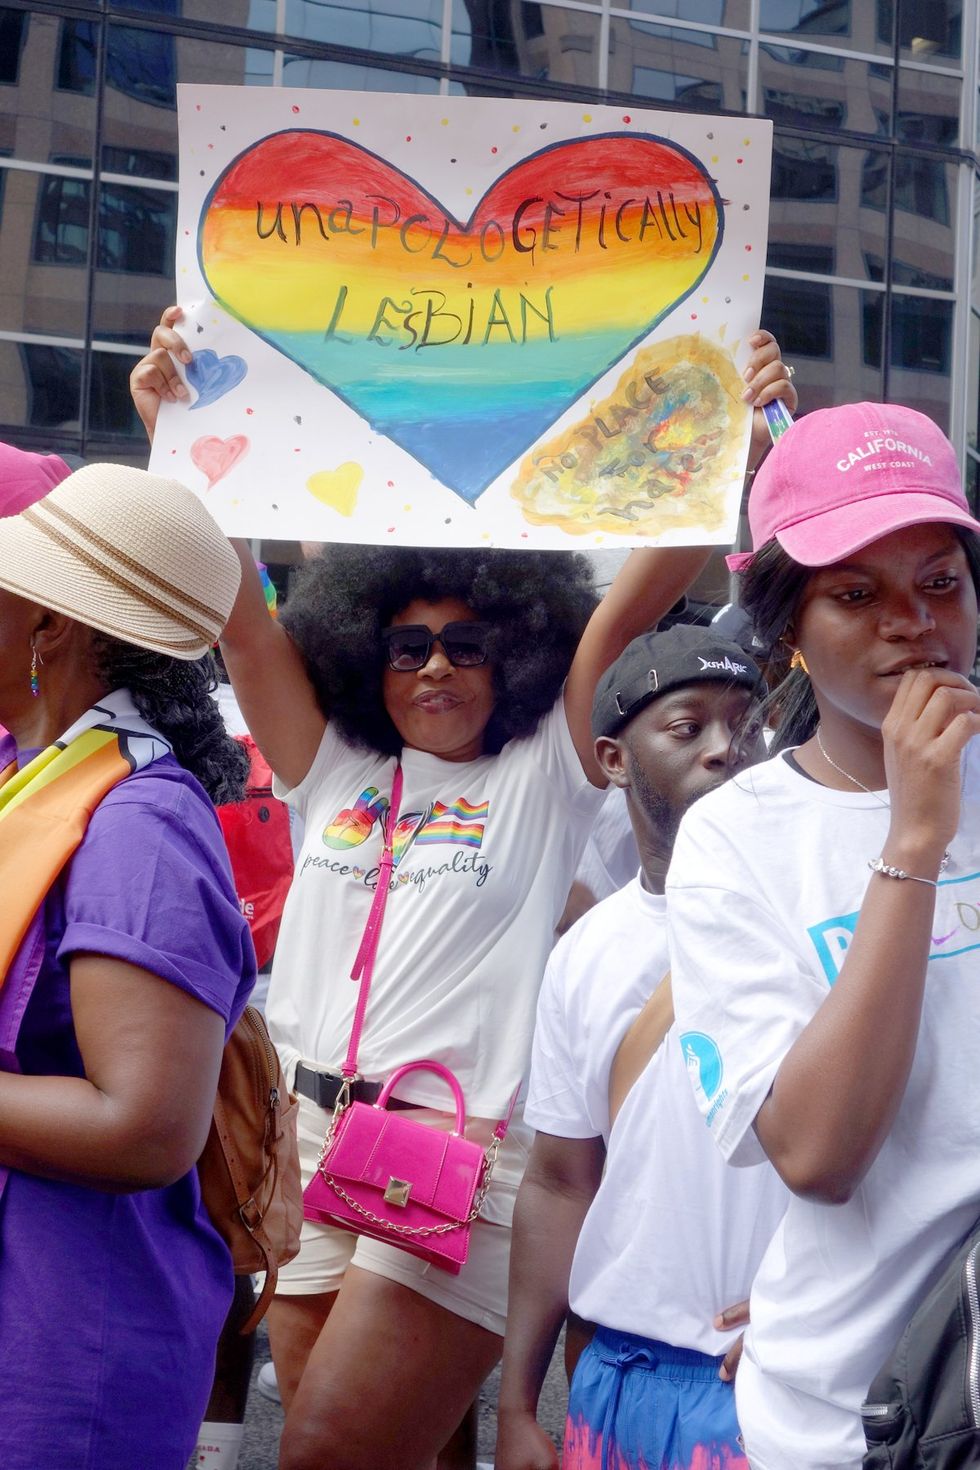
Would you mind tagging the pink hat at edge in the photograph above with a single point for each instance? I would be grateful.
(26, 477)
(841, 478)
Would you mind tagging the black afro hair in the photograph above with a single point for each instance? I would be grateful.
(536, 602)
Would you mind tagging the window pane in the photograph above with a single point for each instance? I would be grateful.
(136, 230)
(140, 162)
(924, 242)
(683, 68)
(39, 386)
(972, 487)
(825, 210)
(61, 229)
(804, 169)
(77, 56)
(110, 408)
(13, 28)
(921, 354)
(38, 122)
(799, 255)
(973, 386)
(139, 118)
(928, 108)
(799, 314)
(396, 27)
(303, 71)
(134, 262)
(860, 26)
(543, 42)
(931, 30)
(253, 15)
(731, 13)
(43, 246)
(820, 331)
(152, 7)
(808, 89)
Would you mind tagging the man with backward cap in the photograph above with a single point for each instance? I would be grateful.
(626, 1215)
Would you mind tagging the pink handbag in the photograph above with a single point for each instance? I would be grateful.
(386, 1175)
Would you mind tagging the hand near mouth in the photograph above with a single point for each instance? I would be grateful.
(933, 715)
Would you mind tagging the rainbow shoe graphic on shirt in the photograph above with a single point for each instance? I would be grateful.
(407, 830)
(352, 826)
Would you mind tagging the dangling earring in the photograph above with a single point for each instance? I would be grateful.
(798, 661)
(35, 681)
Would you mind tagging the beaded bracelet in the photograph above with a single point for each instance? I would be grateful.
(878, 865)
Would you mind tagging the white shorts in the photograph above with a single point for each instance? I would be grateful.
(478, 1294)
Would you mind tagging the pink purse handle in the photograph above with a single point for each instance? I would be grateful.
(440, 1071)
(363, 969)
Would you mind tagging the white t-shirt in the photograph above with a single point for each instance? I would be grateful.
(610, 858)
(485, 854)
(768, 876)
(673, 1235)
(599, 977)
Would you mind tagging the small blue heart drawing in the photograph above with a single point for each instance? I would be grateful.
(213, 376)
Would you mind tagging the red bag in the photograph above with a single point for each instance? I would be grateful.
(257, 836)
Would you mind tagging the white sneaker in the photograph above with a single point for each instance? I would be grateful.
(266, 1383)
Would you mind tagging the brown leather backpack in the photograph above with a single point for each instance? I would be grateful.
(249, 1170)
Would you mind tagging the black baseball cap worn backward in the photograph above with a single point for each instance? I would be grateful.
(656, 663)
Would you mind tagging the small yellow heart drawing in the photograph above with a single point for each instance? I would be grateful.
(338, 488)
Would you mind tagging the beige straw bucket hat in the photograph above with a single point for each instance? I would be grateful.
(130, 553)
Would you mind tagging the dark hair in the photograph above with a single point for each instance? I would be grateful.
(771, 589)
(174, 696)
(536, 603)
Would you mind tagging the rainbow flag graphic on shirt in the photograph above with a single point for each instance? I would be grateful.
(461, 823)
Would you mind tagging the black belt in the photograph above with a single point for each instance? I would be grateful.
(323, 1087)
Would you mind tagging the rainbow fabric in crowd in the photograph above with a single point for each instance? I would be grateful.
(46, 805)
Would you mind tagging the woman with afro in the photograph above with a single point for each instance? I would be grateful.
(475, 670)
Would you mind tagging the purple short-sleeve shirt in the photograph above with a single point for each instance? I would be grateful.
(111, 1304)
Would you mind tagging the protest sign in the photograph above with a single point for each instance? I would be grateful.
(457, 321)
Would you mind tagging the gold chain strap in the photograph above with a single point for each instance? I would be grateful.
(489, 1160)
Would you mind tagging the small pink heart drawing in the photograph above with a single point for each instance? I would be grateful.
(214, 457)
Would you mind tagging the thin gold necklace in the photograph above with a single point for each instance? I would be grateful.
(867, 789)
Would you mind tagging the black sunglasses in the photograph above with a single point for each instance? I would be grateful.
(409, 647)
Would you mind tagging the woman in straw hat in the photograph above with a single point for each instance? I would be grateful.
(124, 962)
(824, 921)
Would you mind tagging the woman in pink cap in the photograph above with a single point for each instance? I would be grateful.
(25, 477)
(825, 918)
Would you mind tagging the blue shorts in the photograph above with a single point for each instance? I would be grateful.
(636, 1404)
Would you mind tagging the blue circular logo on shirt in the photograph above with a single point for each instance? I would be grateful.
(703, 1062)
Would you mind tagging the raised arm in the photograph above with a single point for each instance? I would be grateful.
(271, 684)
(651, 581)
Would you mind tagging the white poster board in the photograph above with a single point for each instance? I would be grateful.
(457, 321)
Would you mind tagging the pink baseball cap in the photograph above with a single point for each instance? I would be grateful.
(843, 477)
(27, 477)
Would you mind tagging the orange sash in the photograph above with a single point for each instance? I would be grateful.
(45, 809)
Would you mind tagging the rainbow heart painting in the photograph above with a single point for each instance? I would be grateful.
(461, 340)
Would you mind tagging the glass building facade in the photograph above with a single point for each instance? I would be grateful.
(873, 276)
